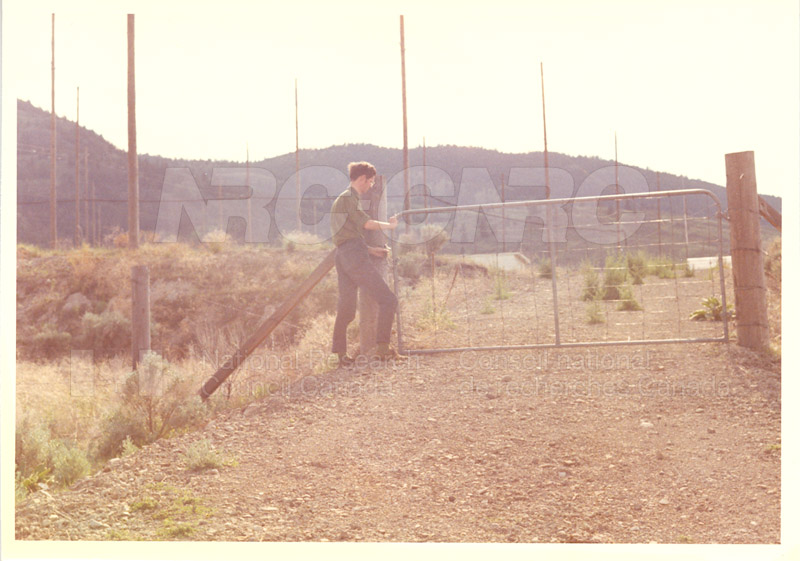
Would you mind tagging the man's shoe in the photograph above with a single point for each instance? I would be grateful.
(345, 361)
(384, 352)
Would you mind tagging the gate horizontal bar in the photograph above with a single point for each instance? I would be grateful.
(564, 345)
(535, 202)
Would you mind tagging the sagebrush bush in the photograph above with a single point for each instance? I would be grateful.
(411, 265)
(545, 268)
(637, 266)
(615, 274)
(20, 491)
(408, 243)
(202, 455)
(594, 314)
(661, 267)
(156, 400)
(106, 333)
(49, 342)
(32, 450)
(501, 291)
(40, 459)
(128, 447)
(627, 302)
(591, 282)
(430, 321)
(69, 464)
(434, 238)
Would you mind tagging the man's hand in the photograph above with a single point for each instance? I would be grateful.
(393, 222)
(378, 251)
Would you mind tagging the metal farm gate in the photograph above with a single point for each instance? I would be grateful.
(623, 269)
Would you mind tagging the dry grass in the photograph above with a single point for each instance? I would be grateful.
(205, 301)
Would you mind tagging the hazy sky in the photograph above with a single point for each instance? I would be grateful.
(681, 82)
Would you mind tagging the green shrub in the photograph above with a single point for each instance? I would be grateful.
(32, 448)
(434, 238)
(20, 491)
(615, 274)
(594, 314)
(591, 282)
(40, 459)
(545, 268)
(69, 464)
(171, 529)
(38, 476)
(501, 291)
(118, 427)
(128, 447)
(145, 503)
(637, 266)
(407, 243)
(156, 400)
(627, 303)
(105, 333)
(661, 267)
(711, 310)
(202, 455)
(435, 321)
(410, 266)
(49, 343)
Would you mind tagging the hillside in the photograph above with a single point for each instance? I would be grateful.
(108, 174)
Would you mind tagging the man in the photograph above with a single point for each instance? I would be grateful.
(353, 267)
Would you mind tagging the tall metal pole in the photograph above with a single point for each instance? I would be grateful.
(658, 208)
(95, 216)
(616, 192)
(424, 174)
(249, 229)
(297, 156)
(53, 205)
(87, 235)
(133, 164)
(77, 171)
(686, 227)
(503, 199)
(405, 119)
(550, 242)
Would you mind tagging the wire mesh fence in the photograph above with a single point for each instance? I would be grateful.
(602, 270)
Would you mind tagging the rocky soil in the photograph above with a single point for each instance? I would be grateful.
(668, 444)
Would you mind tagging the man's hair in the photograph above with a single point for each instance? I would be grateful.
(357, 169)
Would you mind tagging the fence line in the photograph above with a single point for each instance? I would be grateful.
(619, 296)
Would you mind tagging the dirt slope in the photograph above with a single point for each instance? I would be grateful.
(677, 443)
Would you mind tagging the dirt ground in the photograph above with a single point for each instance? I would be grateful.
(665, 443)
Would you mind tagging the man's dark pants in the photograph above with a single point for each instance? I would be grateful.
(354, 270)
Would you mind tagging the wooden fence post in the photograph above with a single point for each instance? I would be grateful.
(140, 312)
(374, 201)
(752, 324)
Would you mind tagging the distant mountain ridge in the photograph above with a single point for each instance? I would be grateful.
(108, 172)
